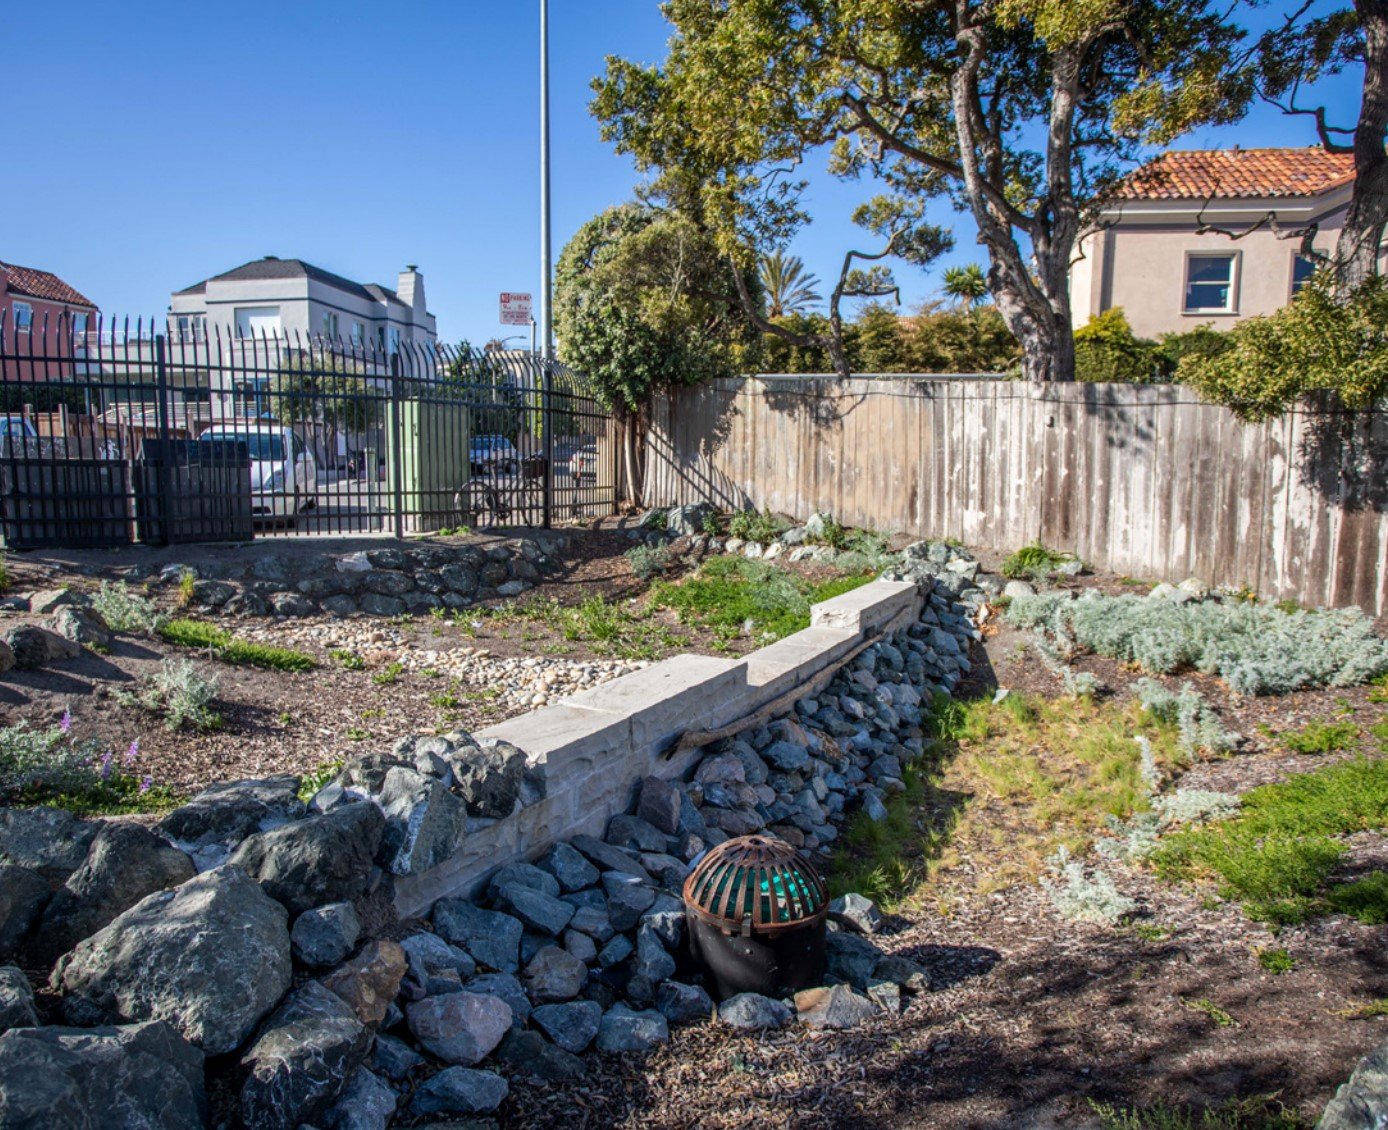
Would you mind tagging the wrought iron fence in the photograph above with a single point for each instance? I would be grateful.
(149, 433)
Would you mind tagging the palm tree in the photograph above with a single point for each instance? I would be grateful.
(789, 290)
(966, 285)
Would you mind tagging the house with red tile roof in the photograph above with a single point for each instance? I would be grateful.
(42, 320)
(1208, 237)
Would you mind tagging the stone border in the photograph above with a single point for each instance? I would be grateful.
(596, 746)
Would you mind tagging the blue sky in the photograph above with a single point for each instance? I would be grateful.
(146, 152)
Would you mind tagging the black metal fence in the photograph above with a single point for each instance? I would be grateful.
(148, 433)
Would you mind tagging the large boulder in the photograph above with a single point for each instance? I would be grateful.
(1362, 1102)
(82, 626)
(489, 779)
(125, 863)
(301, 1060)
(316, 860)
(542, 913)
(230, 811)
(16, 1000)
(51, 841)
(211, 957)
(425, 823)
(36, 647)
(140, 1077)
(459, 1027)
(572, 1026)
(23, 895)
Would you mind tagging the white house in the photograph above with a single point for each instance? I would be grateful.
(288, 298)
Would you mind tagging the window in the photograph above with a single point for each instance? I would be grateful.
(394, 340)
(23, 315)
(329, 323)
(257, 321)
(1303, 267)
(358, 334)
(79, 324)
(1210, 284)
(193, 327)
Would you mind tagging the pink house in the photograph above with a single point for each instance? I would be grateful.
(41, 319)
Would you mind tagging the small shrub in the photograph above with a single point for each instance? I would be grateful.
(389, 674)
(1033, 561)
(1262, 1112)
(1321, 737)
(1085, 897)
(1365, 899)
(226, 647)
(835, 536)
(125, 610)
(648, 561)
(1106, 349)
(178, 694)
(350, 660)
(187, 586)
(315, 779)
(751, 526)
(711, 525)
(52, 766)
(1276, 961)
(1198, 725)
(5, 581)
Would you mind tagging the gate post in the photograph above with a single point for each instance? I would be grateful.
(164, 467)
(395, 450)
(546, 422)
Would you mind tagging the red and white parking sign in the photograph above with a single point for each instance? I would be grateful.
(515, 309)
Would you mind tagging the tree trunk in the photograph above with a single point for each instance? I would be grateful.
(1356, 250)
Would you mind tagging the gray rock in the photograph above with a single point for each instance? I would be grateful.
(387, 582)
(573, 1026)
(230, 811)
(291, 605)
(125, 863)
(425, 823)
(625, 1029)
(874, 807)
(886, 995)
(493, 939)
(376, 604)
(36, 647)
(47, 601)
(627, 899)
(49, 841)
(509, 989)
(366, 1103)
(581, 945)
(460, 1090)
(139, 1077)
(1015, 589)
(316, 860)
(182, 955)
(459, 1027)
(752, 1011)
(82, 626)
(532, 1055)
(634, 834)
(683, 1004)
(325, 935)
(851, 958)
(608, 858)
(835, 1007)
(16, 1000)
(569, 867)
(786, 756)
(903, 972)
(212, 594)
(394, 1058)
(554, 974)
(652, 961)
(301, 1059)
(459, 579)
(593, 920)
(687, 520)
(1361, 1103)
(526, 875)
(340, 606)
(537, 910)
(23, 895)
(489, 779)
(858, 913)
(435, 966)
(658, 804)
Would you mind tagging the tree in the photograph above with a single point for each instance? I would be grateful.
(325, 393)
(1021, 111)
(788, 289)
(967, 285)
(643, 302)
(1312, 44)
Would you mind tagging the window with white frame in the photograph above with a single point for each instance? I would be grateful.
(1303, 267)
(258, 321)
(23, 315)
(358, 334)
(1210, 283)
(330, 323)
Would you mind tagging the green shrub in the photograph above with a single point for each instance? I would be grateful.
(1255, 648)
(5, 581)
(1199, 726)
(1106, 349)
(312, 781)
(1321, 737)
(125, 610)
(1276, 960)
(226, 647)
(648, 561)
(1365, 899)
(389, 674)
(1034, 561)
(751, 526)
(179, 694)
(1201, 342)
(52, 766)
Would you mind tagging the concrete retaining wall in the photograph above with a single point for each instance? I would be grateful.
(596, 746)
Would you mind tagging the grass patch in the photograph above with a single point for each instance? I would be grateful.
(1219, 1016)
(226, 647)
(53, 766)
(389, 674)
(1368, 1011)
(1277, 854)
(1260, 1113)
(1365, 899)
(1276, 961)
(608, 628)
(1321, 737)
(1033, 561)
(736, 596)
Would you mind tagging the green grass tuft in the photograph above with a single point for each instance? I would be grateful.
(1276, 960)
(1321, 737)
(1260, 1113)
(1034, 561)
(1365, 899)
(226, 647)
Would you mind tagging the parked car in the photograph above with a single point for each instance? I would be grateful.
(583, 466)
(284, 471)
(492, 454)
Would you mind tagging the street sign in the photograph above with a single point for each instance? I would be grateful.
(515, 309)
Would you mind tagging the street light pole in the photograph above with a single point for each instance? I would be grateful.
(546, 314)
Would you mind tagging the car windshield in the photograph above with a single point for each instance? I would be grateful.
(264, 447)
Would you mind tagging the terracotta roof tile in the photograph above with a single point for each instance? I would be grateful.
(42, 284)
(1211, 173)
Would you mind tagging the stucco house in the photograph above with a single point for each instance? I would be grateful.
(1164, 251)
(288, 298)
(43, 317)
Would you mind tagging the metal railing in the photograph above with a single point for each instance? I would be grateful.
(134, 432)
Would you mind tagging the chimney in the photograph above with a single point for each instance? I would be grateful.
(410, 288)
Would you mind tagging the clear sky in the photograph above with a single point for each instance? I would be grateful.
(148, 149)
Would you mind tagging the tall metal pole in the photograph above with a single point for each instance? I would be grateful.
(546, 314)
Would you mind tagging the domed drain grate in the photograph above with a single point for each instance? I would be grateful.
(755, 885)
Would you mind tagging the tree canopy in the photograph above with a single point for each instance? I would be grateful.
(1021, 111)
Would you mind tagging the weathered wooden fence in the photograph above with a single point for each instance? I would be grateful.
(1140, 480)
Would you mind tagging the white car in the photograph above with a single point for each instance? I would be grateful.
(583, 465)
(487, 454)
(284, 472)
